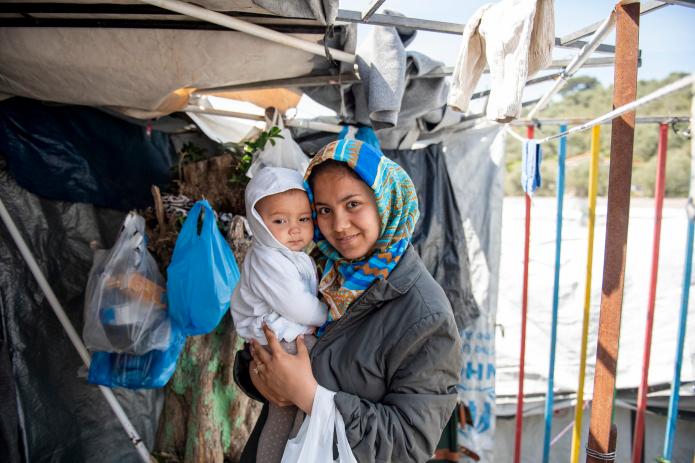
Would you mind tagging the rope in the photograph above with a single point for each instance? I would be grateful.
(655, 95)
(593, 191)
(550, 397)
(596, 455)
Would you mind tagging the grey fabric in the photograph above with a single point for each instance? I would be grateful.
(394, 359)
(323, 11)
(389, 98)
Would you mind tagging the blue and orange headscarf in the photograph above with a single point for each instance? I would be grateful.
(344, 280)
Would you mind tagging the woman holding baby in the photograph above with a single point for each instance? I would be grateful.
(389, 348)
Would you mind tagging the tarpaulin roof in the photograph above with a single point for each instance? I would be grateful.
(124, 54)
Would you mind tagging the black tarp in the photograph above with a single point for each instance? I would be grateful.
(439, 236)
(61, 418)
(81, 154)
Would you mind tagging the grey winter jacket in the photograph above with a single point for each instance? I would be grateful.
(394, 359)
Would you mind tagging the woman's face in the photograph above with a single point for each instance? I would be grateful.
(346, 212)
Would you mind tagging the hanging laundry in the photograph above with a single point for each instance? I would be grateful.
(515, 38)
(531, 157)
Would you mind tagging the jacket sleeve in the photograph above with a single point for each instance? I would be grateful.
(283, 290)
(407, 423)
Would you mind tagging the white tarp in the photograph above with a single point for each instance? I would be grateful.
(143, 69)
(572, 278)
(475, 159)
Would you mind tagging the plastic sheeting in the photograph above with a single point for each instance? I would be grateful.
(438, 236)
(61, 417)
(80, 154)
(152, 71)
(475, 161)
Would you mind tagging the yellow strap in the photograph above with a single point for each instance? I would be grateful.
(593, 189)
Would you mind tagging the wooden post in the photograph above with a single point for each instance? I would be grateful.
(619, 181)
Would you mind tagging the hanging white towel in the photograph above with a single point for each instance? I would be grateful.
(515, 38)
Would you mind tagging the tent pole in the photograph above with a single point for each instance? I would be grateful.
(603, 30)
(70, 330)
(638, 440)
(524, 310)
(252, 29)
(620, 177)
(683, 318)
(593, 191)
(549, 397)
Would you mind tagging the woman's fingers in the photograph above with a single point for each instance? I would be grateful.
(260, 354)
(301, 346)
(273, 342)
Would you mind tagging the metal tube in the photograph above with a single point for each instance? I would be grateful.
(249, 28)
(549, 397)
(574, 65)
(593, 192)
(303, 123)
(70, 330)
(620, 177)
(638, 435)
(524, 311)
(685, 294)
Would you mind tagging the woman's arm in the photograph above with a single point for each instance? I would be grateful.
(406, 424)
(286, 378)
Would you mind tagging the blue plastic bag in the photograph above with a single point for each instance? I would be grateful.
(202, 274)
(151, 370)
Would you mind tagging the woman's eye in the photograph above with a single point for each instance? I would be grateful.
(353, 204)
(323, 210)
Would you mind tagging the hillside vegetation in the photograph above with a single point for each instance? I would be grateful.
(586, 97)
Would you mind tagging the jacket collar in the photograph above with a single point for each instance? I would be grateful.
(399, 281)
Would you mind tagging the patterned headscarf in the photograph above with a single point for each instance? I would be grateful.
(344, 280)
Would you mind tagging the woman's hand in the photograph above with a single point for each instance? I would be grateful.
(283, 377)
(262, 387)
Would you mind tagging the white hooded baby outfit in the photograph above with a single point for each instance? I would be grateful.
(278, 286)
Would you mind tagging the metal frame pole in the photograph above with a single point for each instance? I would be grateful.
(683, 318)
(638, 436)
(593, 191)
(550, 394)
(249, 28)
(524, 311)
(620, 177)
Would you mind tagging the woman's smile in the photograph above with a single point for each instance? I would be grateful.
(346, 213)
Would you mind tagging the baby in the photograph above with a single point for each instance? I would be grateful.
(278, 283)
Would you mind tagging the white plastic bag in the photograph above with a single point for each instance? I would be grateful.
(125, 304)
(314, 442)
(284, 153)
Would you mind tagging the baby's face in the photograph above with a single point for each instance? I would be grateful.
(288, 217)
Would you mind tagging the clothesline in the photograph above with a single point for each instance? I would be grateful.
(663, 91)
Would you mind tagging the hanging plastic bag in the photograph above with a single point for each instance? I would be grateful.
(281, 152)
(202, 274)
(148, 371)
(125, 302)
(314, 441)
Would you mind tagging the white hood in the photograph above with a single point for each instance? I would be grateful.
(268, 181)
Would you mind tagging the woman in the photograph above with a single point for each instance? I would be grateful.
(390, 350)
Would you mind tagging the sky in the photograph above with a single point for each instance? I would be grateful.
(667, 36)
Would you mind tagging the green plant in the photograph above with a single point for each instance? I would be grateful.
(244, 155)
